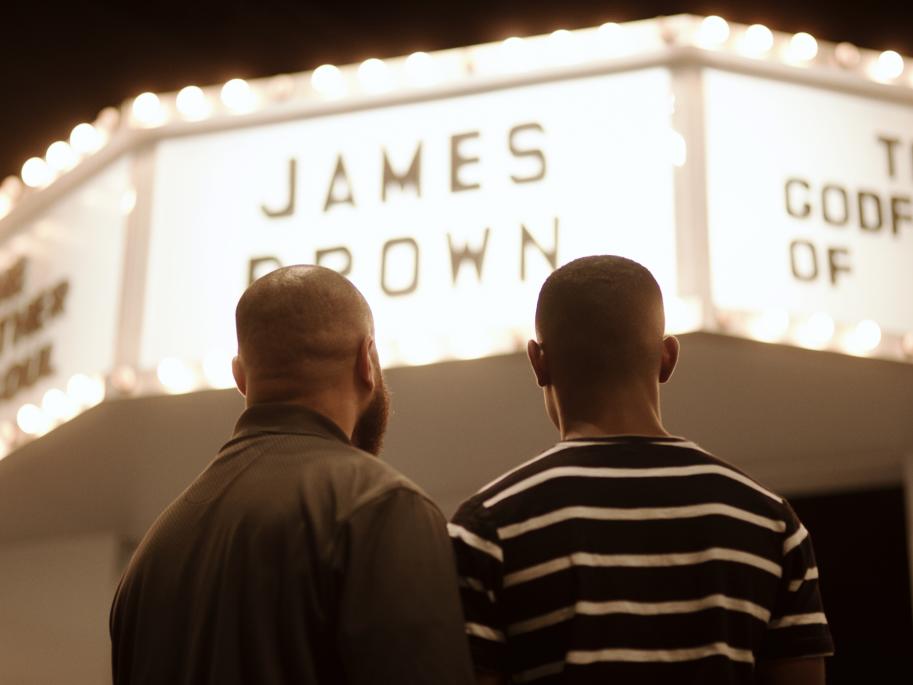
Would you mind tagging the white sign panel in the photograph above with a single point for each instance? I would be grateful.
(447, 214)
(60, 283)
(810, 198)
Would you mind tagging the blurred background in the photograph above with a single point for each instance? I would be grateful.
(828, 424)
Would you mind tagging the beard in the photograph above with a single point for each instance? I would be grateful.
(372, 424)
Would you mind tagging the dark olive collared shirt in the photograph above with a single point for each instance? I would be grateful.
(293, 558)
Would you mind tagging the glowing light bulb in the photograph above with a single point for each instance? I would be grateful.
(563, 47)
(86, 139)
(888, 66)
(420, 69)
(36, 173)
(237, 96)
(32, 420)
(713, 32)
(328, 81)
(816, 332)
(374, 76)
(58, 405)
(61, 157)
(86, 391)
(148, 111)
(758, 40)
(217, 369)
(863, 338)
(802, 47)
(847, 55)
(192, 103)
(769, 326)
(512, 55)
(175, 376)
(610, 39)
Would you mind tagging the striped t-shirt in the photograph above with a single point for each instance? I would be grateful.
(634, 560)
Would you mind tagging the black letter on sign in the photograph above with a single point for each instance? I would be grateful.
(321, 257)
(260, 266)
(889, 145)
(863, 223)
(412, 177)
(289, 208)
(843, 205)
(457, 161)
(526, 239)
(389, 245)
(13, 381)
(835, 265)
(45, 368)
(59, 298)
(897, 215)
(806, 208)
(808, 274)
(339, 175)
(532, 152)
(477, 257)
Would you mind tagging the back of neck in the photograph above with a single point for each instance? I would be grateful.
(628, 412)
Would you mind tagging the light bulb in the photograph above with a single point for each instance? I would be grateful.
(192, 103)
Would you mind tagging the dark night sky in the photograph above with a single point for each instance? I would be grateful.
(60, 66)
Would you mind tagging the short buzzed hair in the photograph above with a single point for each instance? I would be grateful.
(600, 320)
(300, 316)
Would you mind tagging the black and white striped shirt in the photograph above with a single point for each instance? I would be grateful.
(634, 559)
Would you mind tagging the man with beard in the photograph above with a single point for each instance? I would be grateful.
(296, 556)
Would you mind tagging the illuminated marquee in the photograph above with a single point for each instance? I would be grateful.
(448, 185)
(447, 214)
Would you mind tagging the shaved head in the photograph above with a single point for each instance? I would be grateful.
(600, 321)
(305, 334)
(299, 320)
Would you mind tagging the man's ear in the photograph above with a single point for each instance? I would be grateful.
(671, 348)
(238, 371)
(364, 364)
(537, 360)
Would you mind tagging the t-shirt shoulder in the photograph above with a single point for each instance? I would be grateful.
(622, 457)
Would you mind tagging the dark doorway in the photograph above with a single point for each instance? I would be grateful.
(861, 546)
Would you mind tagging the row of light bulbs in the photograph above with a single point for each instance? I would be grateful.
(758, 41)
(421, 69)
(83, 392)
(817, 331)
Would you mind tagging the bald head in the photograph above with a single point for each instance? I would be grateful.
(600, 320)
(301, 323)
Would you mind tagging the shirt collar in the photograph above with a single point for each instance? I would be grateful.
(283, 417)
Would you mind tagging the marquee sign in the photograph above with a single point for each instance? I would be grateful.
(810, 200)
(447, 214)
(448, 186)
(60, 282)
